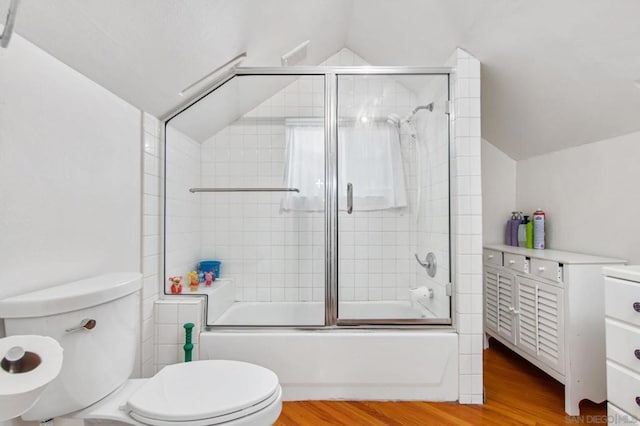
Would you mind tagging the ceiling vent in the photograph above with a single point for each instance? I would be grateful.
(295, 55)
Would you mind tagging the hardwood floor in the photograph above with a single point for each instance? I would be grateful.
(517, 393)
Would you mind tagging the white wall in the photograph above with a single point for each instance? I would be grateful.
(498, 192)
(70, 174)
(590, 194)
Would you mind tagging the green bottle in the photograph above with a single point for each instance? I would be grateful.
(529, 233)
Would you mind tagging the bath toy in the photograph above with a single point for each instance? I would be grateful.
(209, 277)
(176, 284)
(194, 282)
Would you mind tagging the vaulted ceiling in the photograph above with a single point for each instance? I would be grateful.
(556, 73)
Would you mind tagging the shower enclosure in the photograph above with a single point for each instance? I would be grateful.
(323, 191)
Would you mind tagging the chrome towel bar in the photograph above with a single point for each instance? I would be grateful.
(194, 190)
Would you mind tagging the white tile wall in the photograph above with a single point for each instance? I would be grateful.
(151, 236)
(183, 237)
(467, 230)
(170, 317)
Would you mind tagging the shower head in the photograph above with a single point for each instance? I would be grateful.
(428, 107)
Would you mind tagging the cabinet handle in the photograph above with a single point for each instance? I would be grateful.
(636, 306)
(512, 262)
(637, 353)
(490, 256)
(541, 268)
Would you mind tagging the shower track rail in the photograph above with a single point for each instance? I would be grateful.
(194, 190)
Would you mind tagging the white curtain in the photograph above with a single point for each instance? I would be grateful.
(369, 158)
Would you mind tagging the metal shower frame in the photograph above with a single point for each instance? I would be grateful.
(331, 74)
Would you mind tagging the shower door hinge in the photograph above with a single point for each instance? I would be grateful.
(448, 289)
(448, 106)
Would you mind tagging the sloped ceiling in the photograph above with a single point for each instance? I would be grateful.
(555, 73)
(147, 51)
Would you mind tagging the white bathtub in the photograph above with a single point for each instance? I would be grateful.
(381, 364)
(311, 313)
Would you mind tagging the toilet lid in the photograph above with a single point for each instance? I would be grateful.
(204, 389)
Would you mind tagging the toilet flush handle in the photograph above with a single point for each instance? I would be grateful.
(85, 324)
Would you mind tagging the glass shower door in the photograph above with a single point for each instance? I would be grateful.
(393, 199)
(245, 187)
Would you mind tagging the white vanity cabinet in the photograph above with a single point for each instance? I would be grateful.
(547, 306)
(622, 325)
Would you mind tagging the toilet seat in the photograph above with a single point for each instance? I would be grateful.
(197, 393)
(204, 393)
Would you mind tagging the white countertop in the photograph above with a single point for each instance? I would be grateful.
(560, 256)
(630, 273)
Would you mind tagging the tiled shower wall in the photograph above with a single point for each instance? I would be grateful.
(274, 256)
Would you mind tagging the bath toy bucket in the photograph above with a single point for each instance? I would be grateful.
(211, 266)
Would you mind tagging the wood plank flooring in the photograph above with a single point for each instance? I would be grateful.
(517, 393)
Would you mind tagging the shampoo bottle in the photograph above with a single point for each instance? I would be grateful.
(529, 233)
(522, 231)
(508, 234)
(515, 223)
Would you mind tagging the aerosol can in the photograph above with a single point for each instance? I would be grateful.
(538, 229)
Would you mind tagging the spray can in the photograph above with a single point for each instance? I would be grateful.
(538, 229)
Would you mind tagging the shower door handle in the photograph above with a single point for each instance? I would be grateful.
(349, 198)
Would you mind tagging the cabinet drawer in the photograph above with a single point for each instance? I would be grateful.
(617, 417)
(516, 262)
(622, 300)
(623, 341)
(493, 257)
(546, 269)
(623, 387)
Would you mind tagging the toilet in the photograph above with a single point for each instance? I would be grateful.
(97, 323)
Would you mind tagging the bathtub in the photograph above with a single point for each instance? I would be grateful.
(334, 363)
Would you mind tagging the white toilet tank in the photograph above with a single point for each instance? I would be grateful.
(97, 360)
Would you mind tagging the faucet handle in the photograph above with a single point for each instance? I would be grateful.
(85, 324)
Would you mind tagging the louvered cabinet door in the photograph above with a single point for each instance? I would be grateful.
(550, 326)
(506, 307)
(491, 299)
(527, 316)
